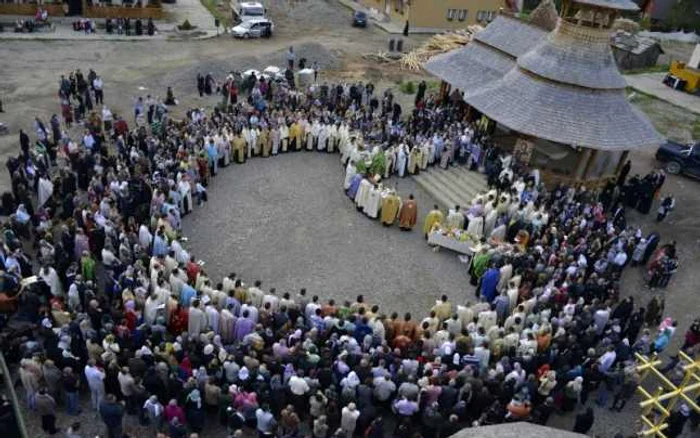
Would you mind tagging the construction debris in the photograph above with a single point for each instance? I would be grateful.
(436, 45)
(626, 24)
(382, 56)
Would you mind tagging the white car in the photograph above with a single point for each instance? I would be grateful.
(244, 11)
(272, 71)
(254, 28)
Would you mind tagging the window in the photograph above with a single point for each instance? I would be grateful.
(462, 14)
(451, 14)
(485, 16)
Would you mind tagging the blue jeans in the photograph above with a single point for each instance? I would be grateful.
(602, 398)
(72, 403)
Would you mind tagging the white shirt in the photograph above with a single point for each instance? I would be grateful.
(94, 377)
(298, 385)
(621, 258)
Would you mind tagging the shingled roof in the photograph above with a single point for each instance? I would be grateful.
(562, 86)
(490, 54)
(577, 116)
(511, 35)
(470, 67)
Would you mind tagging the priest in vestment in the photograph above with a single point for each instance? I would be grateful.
(284, 137)
(238, 145)
(390, 208)
(275, 139)
(409, 214)
(264, 143)
(434, 217)
(227, 324)
(294, 137)
(350, 172)
(323, 137)
(45, 189)
(197, 320)
(413, 160)
(401, 161)
(455, 218)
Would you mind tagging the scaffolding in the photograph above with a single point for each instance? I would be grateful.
(657, 406)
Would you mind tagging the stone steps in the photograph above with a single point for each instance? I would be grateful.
(451, 186)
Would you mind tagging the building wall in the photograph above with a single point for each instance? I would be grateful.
(438, 14)
(627, 60)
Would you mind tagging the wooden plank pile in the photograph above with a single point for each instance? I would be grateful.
(436, 45)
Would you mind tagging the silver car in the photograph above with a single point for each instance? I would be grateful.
(254, 28)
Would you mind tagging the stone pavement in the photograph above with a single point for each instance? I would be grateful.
(452, 186)
(651, 83)
(193, 11)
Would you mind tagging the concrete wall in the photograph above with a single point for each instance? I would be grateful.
(438, 14)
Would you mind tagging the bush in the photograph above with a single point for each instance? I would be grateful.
(408, 87)
(186, 25)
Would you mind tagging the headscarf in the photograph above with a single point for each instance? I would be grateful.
(194, 397)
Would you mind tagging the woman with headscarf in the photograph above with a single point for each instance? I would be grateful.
(349, 386)
(517, 375)
(173, 410)
(154, 412)
(654, 310)
(572, 393)
(547, 384)
(194, 411)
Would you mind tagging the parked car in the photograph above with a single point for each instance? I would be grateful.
(254, 28)
(359, 19)
(244, 11)
(680, 158)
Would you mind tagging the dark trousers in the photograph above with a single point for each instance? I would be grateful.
(619, 402)
(114, 432)
(48, 424)
(99, 97)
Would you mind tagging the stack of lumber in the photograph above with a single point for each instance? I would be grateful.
(436, 45)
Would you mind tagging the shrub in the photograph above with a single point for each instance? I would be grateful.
(186, 25)
(408, 87)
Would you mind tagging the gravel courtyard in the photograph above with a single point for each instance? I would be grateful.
(286, 221)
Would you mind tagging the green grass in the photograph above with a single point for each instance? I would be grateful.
(433, 86)
(660, 68)
(696, 129)
(670, 120)
(213, 7)
(407, 87)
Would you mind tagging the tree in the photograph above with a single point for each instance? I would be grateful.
(685, 16)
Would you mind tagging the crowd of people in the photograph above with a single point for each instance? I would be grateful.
(125, 313)
(76, 93)
(129, 27)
